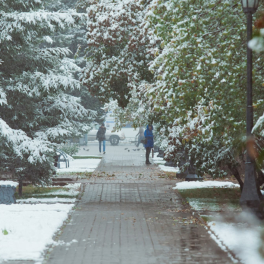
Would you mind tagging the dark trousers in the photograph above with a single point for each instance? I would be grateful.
(148, 149)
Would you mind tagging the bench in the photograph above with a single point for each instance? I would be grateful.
(61, 157)
(7, 192)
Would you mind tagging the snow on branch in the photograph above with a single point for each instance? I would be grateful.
(259, 126)
(2, 97)
(22, 145)
(32, 24)
(37, 84)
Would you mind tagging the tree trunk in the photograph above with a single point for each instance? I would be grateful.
(236, 174)
(20, 186)
(259, 182)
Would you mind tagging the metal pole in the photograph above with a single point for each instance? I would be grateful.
(249, 198)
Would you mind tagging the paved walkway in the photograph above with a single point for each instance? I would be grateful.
(129, 215)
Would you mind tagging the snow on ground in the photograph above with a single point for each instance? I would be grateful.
(11, 183)
(80, 165)
(169, 169)
(213, 205)
(26, 229)
(244, 241)
(69, 190)
(205, 184)
(161, 162)
(158, 160)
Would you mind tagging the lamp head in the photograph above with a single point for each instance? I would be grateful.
(250, 6)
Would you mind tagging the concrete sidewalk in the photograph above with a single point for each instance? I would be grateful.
(131, 216)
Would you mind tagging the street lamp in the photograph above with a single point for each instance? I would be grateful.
(249, 198)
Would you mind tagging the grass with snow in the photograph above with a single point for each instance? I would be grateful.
(32, 191)
(87, 157)
(211, 193)
(212, 196)
(79, 174)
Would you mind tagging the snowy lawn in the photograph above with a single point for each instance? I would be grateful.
(168, 168)
(46, 200)
(66, 190)
(161, 162)
(213, 196)
(204, 184)
(80, 165)
(243, 240)
(27, 229)
(158, 160)
(65, 194)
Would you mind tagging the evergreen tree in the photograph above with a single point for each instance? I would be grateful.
(75, 39)
(36, 110)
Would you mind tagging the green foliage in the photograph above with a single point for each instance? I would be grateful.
(70, 149)
(219, 193)
(84, 174)
(5, 232)
(117, 50)
(86, 157)
(200, 88)
(32, 191)
(198, 97)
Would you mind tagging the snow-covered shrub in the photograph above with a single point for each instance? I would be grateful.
(117, 50)
(200, 87)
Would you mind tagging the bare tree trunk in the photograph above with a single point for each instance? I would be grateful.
(236, 174)
(259, 182)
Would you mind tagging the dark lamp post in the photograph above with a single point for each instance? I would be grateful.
(249, 199)
(250, 6)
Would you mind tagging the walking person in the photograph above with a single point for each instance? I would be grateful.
(140, 135)
(101, 137)
(149, 142)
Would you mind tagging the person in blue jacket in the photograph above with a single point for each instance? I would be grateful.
(149, 142)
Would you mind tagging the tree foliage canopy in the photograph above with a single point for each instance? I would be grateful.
(197, 97)
(117, 50)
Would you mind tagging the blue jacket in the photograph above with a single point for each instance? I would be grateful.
(149, 136)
